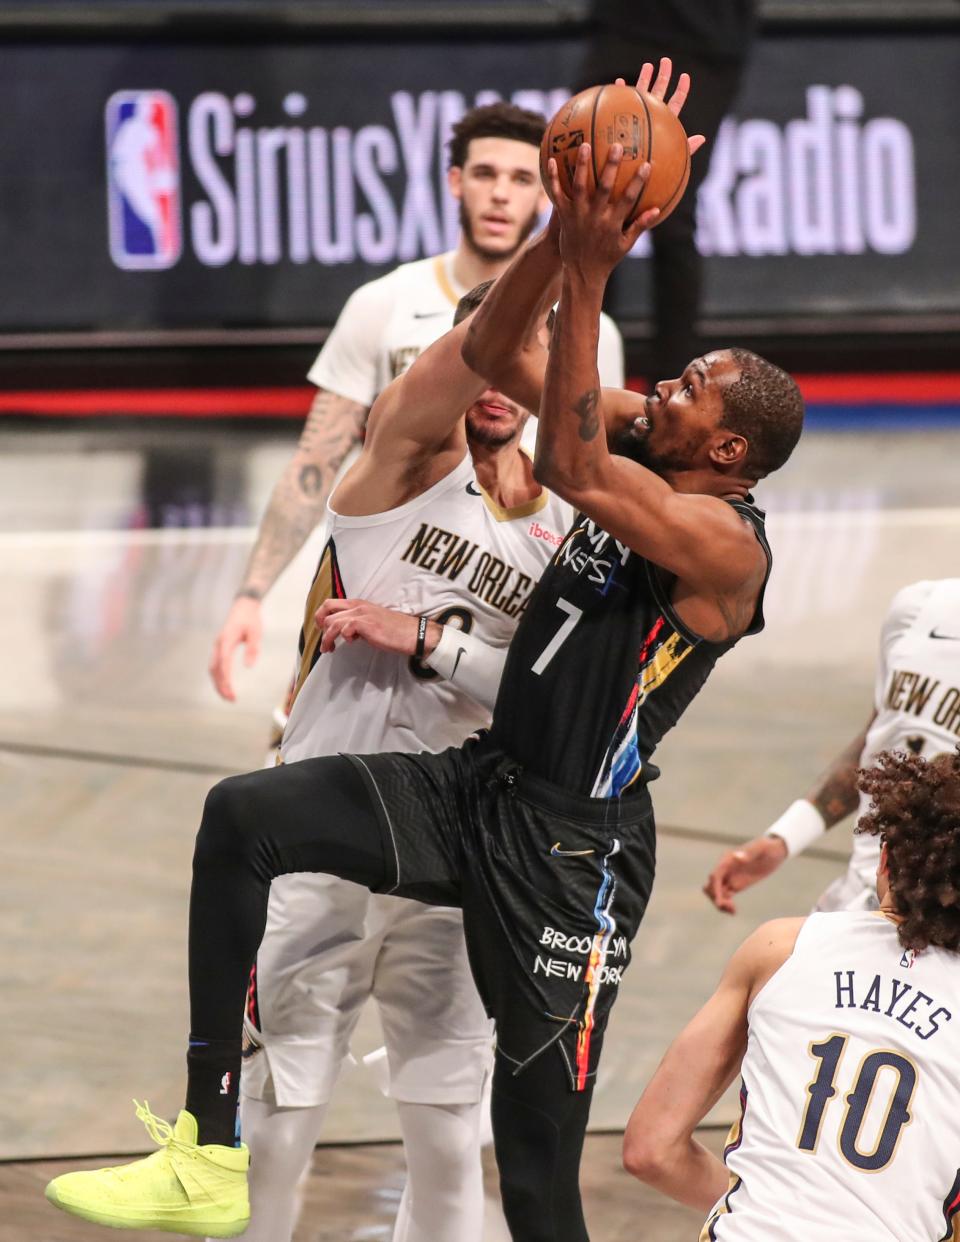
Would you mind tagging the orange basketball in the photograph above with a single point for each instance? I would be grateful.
(643, 125)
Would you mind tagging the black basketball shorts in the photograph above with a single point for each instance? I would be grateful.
(553, 886)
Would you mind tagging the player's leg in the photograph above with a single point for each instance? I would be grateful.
(281, 1142)
(314, 973)
(555, 888)
(254, 828)
(538, 1129)
(439, 1048)
(443, 1198)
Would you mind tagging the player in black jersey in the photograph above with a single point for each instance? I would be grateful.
(542, 830)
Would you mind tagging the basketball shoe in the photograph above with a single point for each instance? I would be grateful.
(182, 1188)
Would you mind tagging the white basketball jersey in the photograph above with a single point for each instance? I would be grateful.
(451, 553)
(851, 1094)
(917, 689)
(388, 322)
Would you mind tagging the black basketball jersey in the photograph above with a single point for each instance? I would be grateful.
(601, 667)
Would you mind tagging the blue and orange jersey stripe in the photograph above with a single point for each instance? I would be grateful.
(606, 926)
(661, 652)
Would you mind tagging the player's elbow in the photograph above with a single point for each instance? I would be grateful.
(476, 353)
(643, 1153)
(543, 468)
(565, 479)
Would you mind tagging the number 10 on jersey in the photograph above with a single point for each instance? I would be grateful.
(893, 1095)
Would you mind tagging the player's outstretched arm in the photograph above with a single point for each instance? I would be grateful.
(502, 342)
(415, 432)
(333, 427)
(658, 1145)
(832, 798)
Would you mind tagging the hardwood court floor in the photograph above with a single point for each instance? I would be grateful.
(352, 1194)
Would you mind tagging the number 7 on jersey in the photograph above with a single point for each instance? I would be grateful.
(566, 629)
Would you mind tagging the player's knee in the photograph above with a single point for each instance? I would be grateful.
(277, 1156)
(451, 1153)
(221, 831)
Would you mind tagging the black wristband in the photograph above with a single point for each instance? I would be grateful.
(421, 639)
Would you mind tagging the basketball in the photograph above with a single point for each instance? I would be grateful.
(643, 125)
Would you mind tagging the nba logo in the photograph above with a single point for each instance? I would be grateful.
(143, 180)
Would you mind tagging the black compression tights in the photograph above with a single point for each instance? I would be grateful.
(317, 816)
(309, 816)
(538, 1126)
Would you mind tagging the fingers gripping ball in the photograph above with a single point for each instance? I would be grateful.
(643, 125)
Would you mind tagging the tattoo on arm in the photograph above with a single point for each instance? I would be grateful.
(586, 409)
(334, 425)
(835, 794)
(736, 614)
(311, 480)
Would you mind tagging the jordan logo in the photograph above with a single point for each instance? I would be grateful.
(225, 1083)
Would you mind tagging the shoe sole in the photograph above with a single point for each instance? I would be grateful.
(193, 1229)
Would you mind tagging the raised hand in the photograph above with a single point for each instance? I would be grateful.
(595, 228)
(658, 88)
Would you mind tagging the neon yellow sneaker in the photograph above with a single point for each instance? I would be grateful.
(182, 1188)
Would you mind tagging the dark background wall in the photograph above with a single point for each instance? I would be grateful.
(309, 156)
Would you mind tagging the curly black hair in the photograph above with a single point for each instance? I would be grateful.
(496, 120)
(764, 406)
(915, 808)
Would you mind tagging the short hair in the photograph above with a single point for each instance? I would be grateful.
(496, 120)
(915, 809)
(471, 300)
(764, 406)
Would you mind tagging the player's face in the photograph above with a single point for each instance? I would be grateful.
(494, 420)
(500, 195)
(681, 417)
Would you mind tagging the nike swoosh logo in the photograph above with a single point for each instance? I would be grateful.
(557, 852)
(453, 672)
(471, 490)
(427, 314)
(952, 638)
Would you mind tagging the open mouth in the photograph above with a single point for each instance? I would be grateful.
(497, 224)
(643, 422)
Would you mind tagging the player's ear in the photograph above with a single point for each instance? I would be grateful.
(728, 449)
(455, 181)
